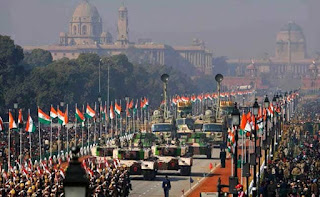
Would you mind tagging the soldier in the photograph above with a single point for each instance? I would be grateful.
(166, 185)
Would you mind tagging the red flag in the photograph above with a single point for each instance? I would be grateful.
(210, 166)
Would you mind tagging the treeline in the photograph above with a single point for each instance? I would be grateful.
(33, 79)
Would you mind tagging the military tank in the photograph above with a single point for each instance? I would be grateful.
(137, 160)
(173, 157)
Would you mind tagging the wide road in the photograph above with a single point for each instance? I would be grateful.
(178, 183)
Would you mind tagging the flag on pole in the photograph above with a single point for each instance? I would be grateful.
(243, 124)
(79, 115)
(117, 108)
(191, 180)
(1, 124)
(90, 113)
(112, 115)
(53, 113)
(43, 117)
(20, 117)
(30, 127)
(60, 117)
(104, 112)
(135, 109)
(65, 117)
(12, 123)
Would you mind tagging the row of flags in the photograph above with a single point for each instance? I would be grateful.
(206, 96)
(80, 116)
(248, 120)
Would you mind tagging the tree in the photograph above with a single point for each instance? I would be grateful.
(10, 54)
(37, 57)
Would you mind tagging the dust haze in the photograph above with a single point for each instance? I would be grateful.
(233, 28)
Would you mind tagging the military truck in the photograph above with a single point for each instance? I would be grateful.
(173, 157)
(138, 161)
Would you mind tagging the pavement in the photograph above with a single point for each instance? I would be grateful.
(210, 183)
(179, 184)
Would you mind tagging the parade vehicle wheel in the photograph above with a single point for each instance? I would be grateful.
(185, 170)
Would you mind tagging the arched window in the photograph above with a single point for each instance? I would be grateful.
(74, 30)
(84, 30)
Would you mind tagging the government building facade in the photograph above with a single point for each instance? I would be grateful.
(85, 35)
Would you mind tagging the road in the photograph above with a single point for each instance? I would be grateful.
(142, 188)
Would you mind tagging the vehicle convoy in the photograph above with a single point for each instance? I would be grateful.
(138, 161)
(168, 152)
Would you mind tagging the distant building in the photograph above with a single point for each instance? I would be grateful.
(289, 65)
(86, 36)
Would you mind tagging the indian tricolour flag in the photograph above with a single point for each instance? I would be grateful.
(53, 113)
(90, 113)
(43, 117)
(112, 115)
(79, 115)
(117, 108)
(12, 123)
(1, 124)
(30, 127)
(60, 116)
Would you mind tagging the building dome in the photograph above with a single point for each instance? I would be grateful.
(291, 43)
(291, 26)
(291, 30)
(85, 10)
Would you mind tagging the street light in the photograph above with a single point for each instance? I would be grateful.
(255, 109)
(218, 78)
(165, 79)
(61, 141)
(76, 184)
(100, 118)
(235, 122)
(15, 106)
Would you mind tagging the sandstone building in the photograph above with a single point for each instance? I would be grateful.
(85, 35)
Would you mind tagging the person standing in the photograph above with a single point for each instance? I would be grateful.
(166, 185)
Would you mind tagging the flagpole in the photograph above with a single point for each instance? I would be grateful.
(116, 118)
(82, 129)
(75, 129)
(105, 121)
(95, 126)
(59, 128)
(30, 138)
(21, 144)
(9, 144)
(111, 123)
(120, 119)
(141, 114)
(65, 126)
(51, 136)
(39, 139)
(88, 131)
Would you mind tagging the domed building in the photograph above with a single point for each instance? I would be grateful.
(85, 35)
(85, 27)
(291, 44)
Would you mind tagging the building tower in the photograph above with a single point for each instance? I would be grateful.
(85, 26)
(291, 44)
(123, 30)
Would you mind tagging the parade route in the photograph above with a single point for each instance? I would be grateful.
(178, 183)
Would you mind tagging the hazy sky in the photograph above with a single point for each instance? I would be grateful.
(234, 28)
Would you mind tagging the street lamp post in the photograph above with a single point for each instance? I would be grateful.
(235, 123)
(274, 103)
(164, 79)
(100, 117)
(218, 78)
(76, 184)
(15, 106)
(255, 113)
